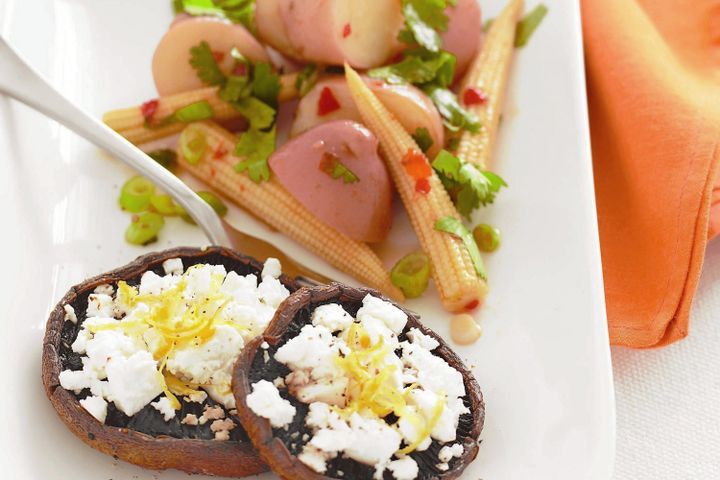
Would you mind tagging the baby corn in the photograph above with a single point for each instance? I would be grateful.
(272, 204)
(130, 122)
(455, 277)
(489, 73)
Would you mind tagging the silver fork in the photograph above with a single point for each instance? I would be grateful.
(19, 81)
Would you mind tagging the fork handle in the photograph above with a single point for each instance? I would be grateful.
(18, 80)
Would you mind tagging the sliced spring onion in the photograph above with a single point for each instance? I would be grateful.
(164, 157)
(194, 112)
(529, 24)
(193, 144)
(411, 274)
(211, 199)
(163, 204)
(455, 227)
(487, 237)
(135, 194)
(144, 228)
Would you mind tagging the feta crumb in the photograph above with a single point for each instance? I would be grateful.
(442, 467)
(404, 469)
(105, 289)
(198, 365)
(271, 268)
(425, 341)
(264, 345)
(271, 292)
(394, 318)
(332, 316)
(100, 305)
(132, 382)
(233, 412)
(374, 441)
(173, 266)
(70, 314)
(266, 357)
(198, 397)
(163, 406)
(265, 401)
(95, 406)
(190, 419)
(447, 453)
(279, 382)
(314, 458)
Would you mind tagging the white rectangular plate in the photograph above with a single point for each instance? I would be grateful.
(543, 361)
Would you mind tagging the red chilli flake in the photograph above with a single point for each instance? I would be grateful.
(474, 96)
(328, 162)
(219, 152)
(472, 305)
(240, 70)
(416, 165)
(422, 186)
(218, 56)
(149, 108)
(327, 102)
(347, 30)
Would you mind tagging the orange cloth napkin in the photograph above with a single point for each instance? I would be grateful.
(653, 71)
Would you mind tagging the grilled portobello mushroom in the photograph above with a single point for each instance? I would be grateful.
(145, 438)
(280, 447)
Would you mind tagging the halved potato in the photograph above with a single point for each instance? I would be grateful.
(464, 32)
(411, 107)
(171, 62)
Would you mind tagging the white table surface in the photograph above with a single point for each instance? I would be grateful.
(668, 400)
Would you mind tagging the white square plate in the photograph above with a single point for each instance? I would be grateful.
(543, 361)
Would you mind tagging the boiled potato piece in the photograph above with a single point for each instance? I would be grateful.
(171, 62)
(464, 32)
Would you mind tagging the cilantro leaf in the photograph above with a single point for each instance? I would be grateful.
(237, 11)
(423, 139)
(266, 84)
(258, 113)
(454, 115)
(453, 226)
(203, 61)
(423, 33)
(307, 79)
(468, 186)
(438, 68)
(236, 87)
(255, 146)
(529, 24)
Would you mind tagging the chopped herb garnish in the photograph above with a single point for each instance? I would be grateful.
(203, 61)
(529, 24)
(453, 226)
(260, 115)
(266, 84)
(437, 68)
(454, 115)
(237, 11)
(306, 79)
(165, 157)
(468, 186)
(423, 139)
(255, 146)
(331, 165)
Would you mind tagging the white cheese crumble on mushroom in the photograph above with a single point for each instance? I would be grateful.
(354, 372)
(171, 336)
(265, 401)
(447, 453)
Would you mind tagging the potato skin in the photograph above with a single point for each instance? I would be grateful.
(230, 459)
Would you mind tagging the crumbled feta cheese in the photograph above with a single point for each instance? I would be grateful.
(394, 318)
(153, 284)
(105, 289)
(99, 305)
(443, 467)
(197, 364)
(279, 382)
(271, 268)
(314, 458)
(445, 429)
(95, 406)
(425, 341)
(105, 346)
(264, 345)
(173, 266)
(76, 380)
(377, 329)
(374, 441)
(163, 406)
(433, 372)
(243, 289)
(332, 316)
(190, 419)
(70, 314)
(265, 401)
(312, 348)
(221, 393)
(198, 397)
(133, 381)
(404, 469)
(447, 453)
(272, 292)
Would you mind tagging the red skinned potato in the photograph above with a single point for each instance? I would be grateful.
(171, 62)
(408, 104)
(361, 32)
(335, 171)
(463, 34)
